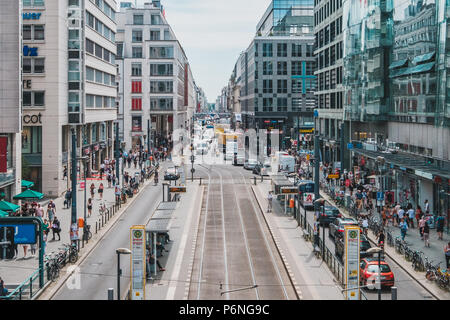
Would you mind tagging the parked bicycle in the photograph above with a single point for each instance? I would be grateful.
(52, 267)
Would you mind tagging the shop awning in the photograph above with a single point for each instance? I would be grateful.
(29, 194)
(399, 63)
(8, 206)
(426, 67)
(27, 184)
(3, 214)
(424, 57)
(403, 160)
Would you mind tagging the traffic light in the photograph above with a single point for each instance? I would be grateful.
(7, 249)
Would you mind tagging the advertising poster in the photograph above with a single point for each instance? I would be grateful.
(138, 260)
(351, 276)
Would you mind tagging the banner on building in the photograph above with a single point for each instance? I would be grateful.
(3, 154)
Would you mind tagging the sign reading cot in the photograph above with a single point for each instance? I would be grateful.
(32, 119)
(31, 15)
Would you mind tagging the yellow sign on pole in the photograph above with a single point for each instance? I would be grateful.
(352, 260)
(137, 262)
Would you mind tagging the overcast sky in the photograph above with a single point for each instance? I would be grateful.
(213, 33)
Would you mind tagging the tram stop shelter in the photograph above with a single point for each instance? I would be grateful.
(157, 229)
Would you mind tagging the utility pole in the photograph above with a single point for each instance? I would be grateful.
(117, 153)
(74, 176)
(316, 166)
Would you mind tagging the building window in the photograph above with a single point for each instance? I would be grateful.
(267, 104)
(296, 50)
(156, 19)
(167, 35)
(33, 65)
(98, 51)
(282, 49)
(33, 3)
(267, 68)
(282, 68)
(296, 86)
(136, 69)
(136, 104)
(137, 52)
(161, 52)
(161, 69)
(161, 104)
(267, 50)
(32, 140)
(161, 87)
(138, 19)
(155, 35)
(136, 36)
(282, 104)
(282, 86)
(296, 68)
(136, 86)
(267, 86)
(33, 98)
(27, 32)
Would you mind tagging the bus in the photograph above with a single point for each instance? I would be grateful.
(306, 194)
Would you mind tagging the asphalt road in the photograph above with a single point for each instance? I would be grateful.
(99, 271)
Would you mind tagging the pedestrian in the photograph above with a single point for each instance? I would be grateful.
(440, 226)
(3, 290)
(383, 215)
(68, 197)
(365, 225)
(403, 228)
(44, 243)
(65, 173)
(50, 215)
(418, 214)
(100, 191)
(401, 214)
(426, 234)
(269, 201)
(39, 211)
(421, 226)
(109, 178)
(25, 249)
(89, 207)
(427, 207)
(102, 170)
(411, 216)
(447, 254)
(92, 190)
(45, 227)
(56, 228)
(52, 206)
(117, 193)
(316, 233)
(33, 248)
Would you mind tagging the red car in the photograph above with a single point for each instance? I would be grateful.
(369, 272)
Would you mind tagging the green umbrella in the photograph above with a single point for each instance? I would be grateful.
(3, 214)
(8, 206)
(27, 184)
(29, 194)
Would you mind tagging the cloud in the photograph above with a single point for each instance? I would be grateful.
(213, 33)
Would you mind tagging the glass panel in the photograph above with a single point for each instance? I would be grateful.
(39, 33)
(26, 30)
(39, 98)
(26, 98)
(26, 65)
(39, 65)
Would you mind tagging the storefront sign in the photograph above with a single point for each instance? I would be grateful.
(289, 190)
(138, 261)
(351, 277)
(333, 176)
(31, 15)
(307, 130)
(32, 119)
(424, 174)
(30, 52)
(308, 199)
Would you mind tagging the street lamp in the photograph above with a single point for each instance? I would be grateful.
(321, 202)
(120, 251)
(379, 251)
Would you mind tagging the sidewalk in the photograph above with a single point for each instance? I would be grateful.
(435, 253)
(311, 276)
(17, 270)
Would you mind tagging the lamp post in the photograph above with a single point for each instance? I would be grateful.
(321, 202)
(120, 251)
(379, 251)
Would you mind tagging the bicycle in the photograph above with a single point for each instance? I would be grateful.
(52, 267)
(417, 261)
(408, 254)
(389, 238)
(442, 278)
(72, 252)
(87, 234)
(306, 235)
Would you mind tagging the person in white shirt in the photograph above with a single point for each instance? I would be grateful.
(401, 213)
(410, 220)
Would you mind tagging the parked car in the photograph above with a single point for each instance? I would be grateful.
(337, 227)
(250, 164)
(262, 169)
(171, 174)
(363, 247)
(369, 269)
(329, 215)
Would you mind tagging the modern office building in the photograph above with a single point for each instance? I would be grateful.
(396, 98)
(156, 86)
(275, 75)
(69, 78)
(10, 99)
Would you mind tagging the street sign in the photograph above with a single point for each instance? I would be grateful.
(138, 262)
(308, 199)
(333, 176)
(24, 233)
(380, 196)
(351, 275)
(177, 189)
(289, 190)
(350, 146)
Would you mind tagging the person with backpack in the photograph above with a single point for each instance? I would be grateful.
(56, 229)
(68, 198)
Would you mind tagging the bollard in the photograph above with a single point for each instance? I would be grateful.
(254, 180)
(200, 181)
(262, 178)
(110, 294)
(95, 227)
(394, 293)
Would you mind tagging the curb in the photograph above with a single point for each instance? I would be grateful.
(88, 251)
(432, 291)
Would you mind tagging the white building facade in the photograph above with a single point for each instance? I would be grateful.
(69, 82)
(156, 87)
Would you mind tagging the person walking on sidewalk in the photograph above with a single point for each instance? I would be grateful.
(447, 254)
(411, 216)
(89, 207)
(92, 190)
(56, 228)
(421, 226)
(109, 178)
(401, 214)
(403, 228)
(427, 207)
(68, 198)
(100, 191)
(269, 201)
(426, 234)
(419, 214)
(440, 226)
(50, 215)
